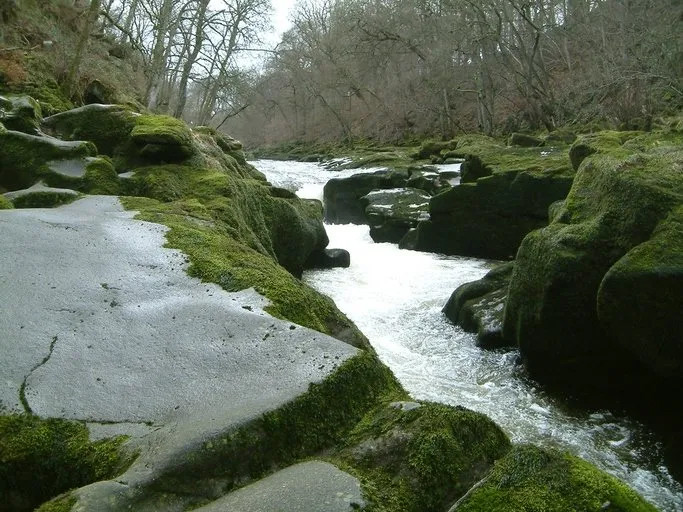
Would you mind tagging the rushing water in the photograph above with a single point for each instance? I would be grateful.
(395, 297)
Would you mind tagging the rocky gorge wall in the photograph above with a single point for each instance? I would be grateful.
(179, 363)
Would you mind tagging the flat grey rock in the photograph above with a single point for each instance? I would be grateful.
(39, 187)
(101, 323)
(73, 168)
(307, 487)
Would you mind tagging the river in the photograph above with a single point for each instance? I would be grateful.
(395, 297)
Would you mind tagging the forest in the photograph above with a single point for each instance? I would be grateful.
(400, 70)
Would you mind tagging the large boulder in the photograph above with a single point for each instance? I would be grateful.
(106, 126)
(504, 194)
(392, 212)
(342, 195)
(534, 479)
(490, 217)
(597, 292)
(21, 113)
(422, 456)
(329, 258)
(25, 159)
(478, 306)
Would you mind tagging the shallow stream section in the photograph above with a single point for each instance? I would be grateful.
(395, 297)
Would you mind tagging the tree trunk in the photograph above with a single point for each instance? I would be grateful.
(72, 75)
(187, 68)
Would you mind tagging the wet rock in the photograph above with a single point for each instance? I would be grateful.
(329, 258)
(598, 291)
(478, 306)
(392, 212)
(342, 196)
(313, 486)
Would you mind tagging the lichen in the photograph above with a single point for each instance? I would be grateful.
(40, 458)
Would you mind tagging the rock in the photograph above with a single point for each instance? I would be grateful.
(329, 258)
(409, 240)
(97, 92)
(423, 455)
(600, 142)
(648, 327)
(41, 196)
(20, 113)
(608, 261)
(553, 481)
(429, 149)
(559, 137)
(107, 126)
(342, 195)
(162, 138)
(24, 158)
(205, 393)
(428, 179)
(478, 306)
(313, 486)
(489, 218)
(524, 140)
(392, 212)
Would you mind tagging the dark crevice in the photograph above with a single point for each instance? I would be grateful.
(22, 389)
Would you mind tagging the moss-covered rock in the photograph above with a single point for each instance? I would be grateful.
(42, 458)
(342, 196)
(162, 138)
(392, 212)
(525, 140)
(24, 158)
(615, 205)
(489, 218)
(421, 457)
(40, 196)
(650, 326)
(504, 194)
(478, 306)
(20, 113)
(600, 142)
(107, 126)
(531, 479)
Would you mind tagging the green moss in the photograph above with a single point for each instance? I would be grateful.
(107, 126)
(315, 421)
(44, 199)
(530, 479)
(421, 459)
(236, 232)
(101, 178)
(60, 504)
(23, 157)
(5, 204)
(165, 130)
(208, 232)
(484, 157)
(606, 141)
(41, 458)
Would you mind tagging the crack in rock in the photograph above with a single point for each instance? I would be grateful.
(22, 389)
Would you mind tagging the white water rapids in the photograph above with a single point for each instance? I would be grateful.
(395, 297)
